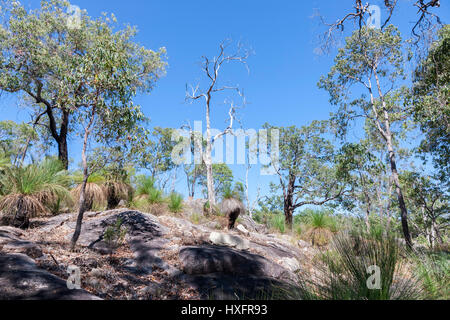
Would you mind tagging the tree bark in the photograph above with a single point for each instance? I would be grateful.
(208, 159)
(398, 188)
(289, 206)
(82, 200)
(61, 137)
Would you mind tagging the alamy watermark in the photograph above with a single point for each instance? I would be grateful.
(74, 280)
(374, 20)
(241, 147)
(374, 281)
(74, 17)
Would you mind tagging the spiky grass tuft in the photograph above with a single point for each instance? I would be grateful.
(29, 191)
(175, 202)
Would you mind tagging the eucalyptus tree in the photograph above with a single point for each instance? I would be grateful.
(153, 152)
(365, 14)
(366, 82)
(15, 140)
(430, 96)
(50, 57)
(307, 168)
(431, 205)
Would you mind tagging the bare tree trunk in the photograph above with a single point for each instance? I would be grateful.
(398, 188)
(246, 191)
(387, 135)
(82, 200)
(61, 137)
(208, 159)
(289, 202)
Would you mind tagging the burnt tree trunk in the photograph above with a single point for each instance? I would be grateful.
(289, 205)
(61, 136)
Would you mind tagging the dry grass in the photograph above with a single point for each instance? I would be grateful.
(10, 205)
(95, 195)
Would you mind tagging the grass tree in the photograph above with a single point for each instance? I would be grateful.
(94, 192)
(29, 191)
(373, 60)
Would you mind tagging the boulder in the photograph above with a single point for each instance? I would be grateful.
(12, 243)
(290, 264)
(21, 279)
(224, 239)
(212, 259)
(242, 230)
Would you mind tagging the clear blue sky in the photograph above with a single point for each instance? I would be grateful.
(281, 87)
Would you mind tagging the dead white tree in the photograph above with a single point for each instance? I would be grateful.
(211, 69)
(359, 14)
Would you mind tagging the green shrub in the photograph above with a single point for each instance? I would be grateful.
(344, 273)
(155, 196)
(175, 202)
(196, 218)
(320, 228)
(433, 270)
(144, 185)
(278, 222)
(115, 234)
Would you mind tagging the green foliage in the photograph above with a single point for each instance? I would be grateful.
(320, 227)
(175, 202)
(308, 174)
(345, 271)
(153, 151)
(144, 185)
(88, 73)
(277, 222)
(155, 196)
(237, 192)
(15, 138)
(115, 234)
(430, 95)
(196, 218)
(222, 174)
(34, 189)
(433, 270)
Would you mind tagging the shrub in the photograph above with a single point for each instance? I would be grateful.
(30, 191)
(155, 196)
(433, 270)
(115, 234)
(320, 227)
(196, 218)
(144, 185)
(175, 202)
(345, 273)
(95, 193)
(277, 222)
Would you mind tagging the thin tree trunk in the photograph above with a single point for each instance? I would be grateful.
(82, 200)
(289, 202)
(246, 190)
(387, 134)
(208, 160)
(398, 188)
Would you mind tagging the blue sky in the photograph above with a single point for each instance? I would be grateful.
(281, 87)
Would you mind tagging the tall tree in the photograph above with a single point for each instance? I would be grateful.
(306, 168)
(430, 96)
(48, 59)
(211, 69)
(372, 59)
